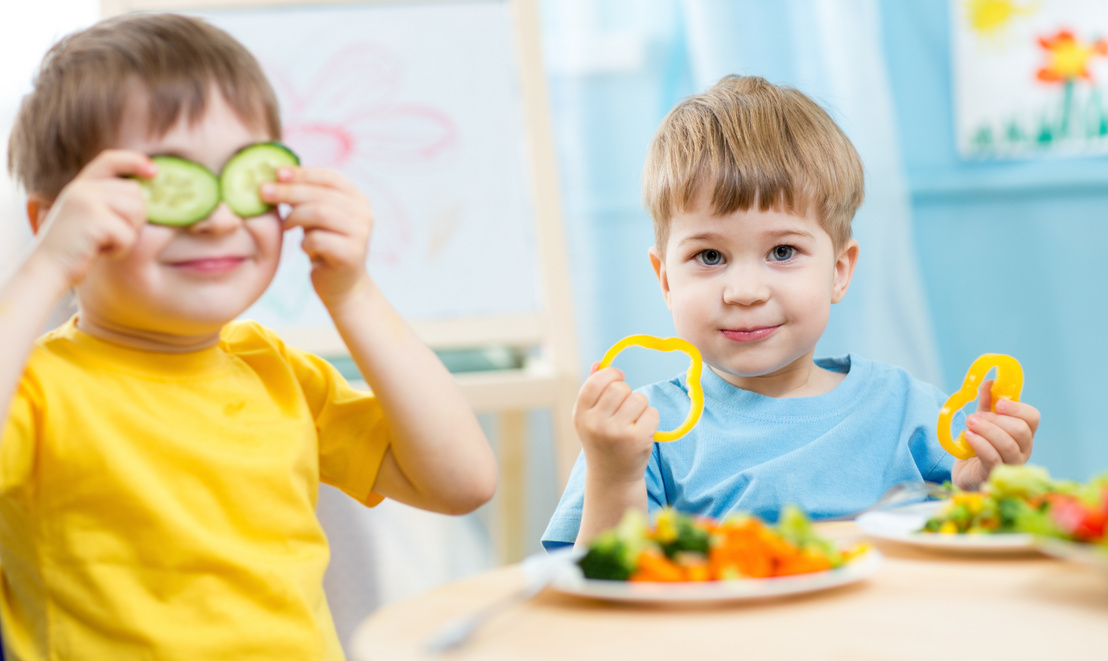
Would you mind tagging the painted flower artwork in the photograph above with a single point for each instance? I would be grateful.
(1029, 77)
(420, 106)
(1068, 57)
(352, 117)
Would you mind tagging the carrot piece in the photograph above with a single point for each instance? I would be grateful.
(656, 567)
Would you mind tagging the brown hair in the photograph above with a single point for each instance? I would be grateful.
(747, 142)
(74, 109)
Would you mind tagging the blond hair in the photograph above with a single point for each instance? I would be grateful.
(747, 142)
(84, 81)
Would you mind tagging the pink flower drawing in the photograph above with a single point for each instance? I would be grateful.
(351, 117)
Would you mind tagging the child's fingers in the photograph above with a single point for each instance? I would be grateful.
(324, 177)
(301, 193)
(986, 453)
(595, 366)
(992, 429)
(1015, 428)
(632, 407)
(119, 163)
(612, 398)
(330, 248)
(298, 185)
(321, 215)
(595, 385)
(648, 422)
(1029, 414)
(985, 395)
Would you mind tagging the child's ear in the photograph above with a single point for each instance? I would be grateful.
(37, 208)
(659, 266)
(844, 269)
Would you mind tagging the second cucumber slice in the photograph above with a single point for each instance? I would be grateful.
(248, 170)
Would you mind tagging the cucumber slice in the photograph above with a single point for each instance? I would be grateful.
(182, 193)
(247, 170)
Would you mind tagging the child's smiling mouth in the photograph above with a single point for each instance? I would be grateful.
(209, 265)
(749, 334)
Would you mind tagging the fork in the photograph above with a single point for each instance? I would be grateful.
(541, 571)
(898, 494)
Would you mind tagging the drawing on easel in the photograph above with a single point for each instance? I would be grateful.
(419, 105)
(1030, 77)
(351, 116)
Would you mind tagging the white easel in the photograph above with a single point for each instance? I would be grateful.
(550, 378)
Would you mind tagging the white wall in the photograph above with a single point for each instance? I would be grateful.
(27, 30)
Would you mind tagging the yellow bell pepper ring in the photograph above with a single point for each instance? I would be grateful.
(1008, 383)
(696, 393)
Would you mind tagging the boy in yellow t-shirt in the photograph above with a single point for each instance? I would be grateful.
(159, 461)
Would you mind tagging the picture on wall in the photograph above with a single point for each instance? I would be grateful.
(1030, 77)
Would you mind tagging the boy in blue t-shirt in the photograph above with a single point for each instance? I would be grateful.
(752, 188)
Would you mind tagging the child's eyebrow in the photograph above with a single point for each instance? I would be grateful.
(788, 233)
(776, 235)
(700, 237)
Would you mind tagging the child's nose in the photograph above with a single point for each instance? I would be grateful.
(745, 288)
(219, 221)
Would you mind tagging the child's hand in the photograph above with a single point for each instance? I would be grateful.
(98, 214)
(1004, 437)
(616, 426)
(337, 222)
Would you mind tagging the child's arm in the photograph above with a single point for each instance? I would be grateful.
(1003, 437)
(616, 427)
(97, 215)
(439, 459)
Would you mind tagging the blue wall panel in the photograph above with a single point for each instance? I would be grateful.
(1012, 253)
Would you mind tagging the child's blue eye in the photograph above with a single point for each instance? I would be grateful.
(709, 257)
(782, 253)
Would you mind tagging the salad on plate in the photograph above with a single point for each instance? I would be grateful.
(684, 548)
(1024, 499)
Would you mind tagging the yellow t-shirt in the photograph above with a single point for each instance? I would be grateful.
(162, 506)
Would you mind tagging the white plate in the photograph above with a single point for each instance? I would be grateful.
(1088, 554)
(567, 578)
(902, 524)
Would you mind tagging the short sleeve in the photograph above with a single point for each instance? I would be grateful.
(20, 433)
(353, 433)
(562, 529)
(352, 430)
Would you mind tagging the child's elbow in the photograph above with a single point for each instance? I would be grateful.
(477, 491)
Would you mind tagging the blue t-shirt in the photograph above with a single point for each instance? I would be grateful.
(831, 454)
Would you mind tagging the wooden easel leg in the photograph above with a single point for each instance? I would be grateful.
(511, 524)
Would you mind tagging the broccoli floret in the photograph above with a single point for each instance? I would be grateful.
(678, 533)
(1012, 512)
(612, 555)
(606, 559)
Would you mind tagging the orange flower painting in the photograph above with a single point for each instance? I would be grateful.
(1028, 76)
(1068, 57)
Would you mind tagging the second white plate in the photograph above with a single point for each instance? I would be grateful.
(903, 524)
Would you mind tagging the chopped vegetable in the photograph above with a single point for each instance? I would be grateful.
(1024, 499)
(613, 554)
(680, 547)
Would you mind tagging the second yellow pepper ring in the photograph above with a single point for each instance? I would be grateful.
(696, 393)
(1008, 383)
